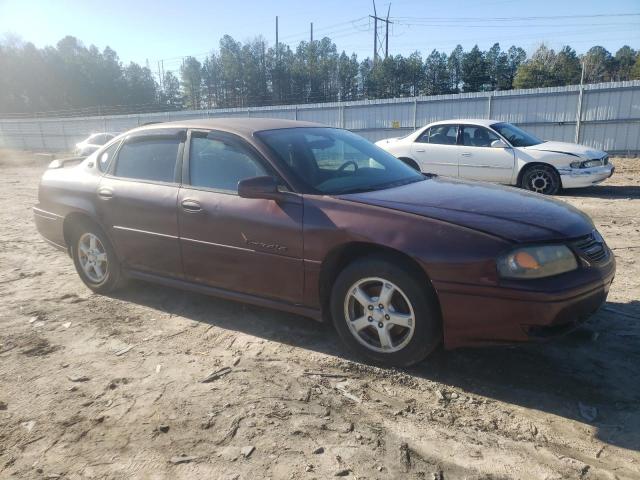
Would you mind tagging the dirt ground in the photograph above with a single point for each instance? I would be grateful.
(110, 387)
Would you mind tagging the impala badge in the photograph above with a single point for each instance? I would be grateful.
(264, 245)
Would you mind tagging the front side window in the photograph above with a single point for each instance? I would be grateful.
(334, 161)
(148, 159)
(476, 136)
(440, 135)
(220, 164)
(516, 136)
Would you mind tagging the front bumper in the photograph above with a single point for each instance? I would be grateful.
(489, 315)
(585, 177)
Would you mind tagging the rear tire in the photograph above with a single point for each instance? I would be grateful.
(94, 258)
(384, 313)
(542, 179)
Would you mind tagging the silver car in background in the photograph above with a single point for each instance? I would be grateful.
(93, 143)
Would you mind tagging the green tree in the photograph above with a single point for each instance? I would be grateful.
(538, 71)
(566, 68)
(599, 65)
(454, 66)
(475, 75)
(625, 59)
(191, 76)
(437, 80)
(170, 94)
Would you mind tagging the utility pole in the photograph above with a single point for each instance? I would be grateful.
(386, 34)
(378, 45)
(276, 38)
(311, 32)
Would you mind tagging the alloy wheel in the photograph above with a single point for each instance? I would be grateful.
(93, 257)
(541, 181)
(379, 315)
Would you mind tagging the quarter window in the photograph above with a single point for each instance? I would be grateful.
(106, 157)
(440, 135)
(220, 164)
(475, 136)
(149, 159)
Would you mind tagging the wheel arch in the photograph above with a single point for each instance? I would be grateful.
(411, 162)
(530, 165)
(341, 256)
(79, 217)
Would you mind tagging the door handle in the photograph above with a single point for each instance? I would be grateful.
(191, 206)
(465, 154)
(420, 150)
(105, 193)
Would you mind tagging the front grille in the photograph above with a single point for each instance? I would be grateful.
(592, 247)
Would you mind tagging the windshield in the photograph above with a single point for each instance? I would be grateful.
(333, 161)
(516, 136)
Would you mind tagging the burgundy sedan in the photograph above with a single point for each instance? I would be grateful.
(318, 221)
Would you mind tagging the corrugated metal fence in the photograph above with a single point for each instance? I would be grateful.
(604, 116)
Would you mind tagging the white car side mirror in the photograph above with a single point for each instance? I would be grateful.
(499, 144)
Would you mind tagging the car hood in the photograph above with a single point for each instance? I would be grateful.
(506, 212)
(575, 149)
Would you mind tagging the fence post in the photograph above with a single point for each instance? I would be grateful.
(415, 113)
(44, 146)
(64, 135)
(489, 104)
(579, 113)
(296, 112)
(342, 107)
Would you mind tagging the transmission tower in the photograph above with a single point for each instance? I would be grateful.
(380, 45)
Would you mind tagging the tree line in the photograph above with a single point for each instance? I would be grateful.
(82, 79)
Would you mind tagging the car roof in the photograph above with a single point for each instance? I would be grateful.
(471, 121)
(244, 126)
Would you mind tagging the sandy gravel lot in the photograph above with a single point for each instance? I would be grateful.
(110, 387)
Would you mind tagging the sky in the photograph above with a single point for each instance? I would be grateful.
(147, 30)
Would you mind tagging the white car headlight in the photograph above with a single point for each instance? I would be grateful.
(586, 164)
(537, 262)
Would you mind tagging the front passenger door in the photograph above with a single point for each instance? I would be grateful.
(480, 161)
(246, 245)
(437, 150)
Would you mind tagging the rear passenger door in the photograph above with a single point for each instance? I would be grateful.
(137, 201)
(246, 245)
(437, 150)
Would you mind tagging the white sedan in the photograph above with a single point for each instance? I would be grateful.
(494, 151)
(93, 143)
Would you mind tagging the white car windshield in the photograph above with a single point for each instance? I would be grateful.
(516, 136)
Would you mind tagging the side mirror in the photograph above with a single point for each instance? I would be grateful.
(499, 144)
(259, 187)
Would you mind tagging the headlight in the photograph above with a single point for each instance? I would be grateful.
(537, 262)
(586, 164)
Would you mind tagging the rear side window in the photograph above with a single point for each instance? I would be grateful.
(149, 159)
(220, 164)
(440, 135)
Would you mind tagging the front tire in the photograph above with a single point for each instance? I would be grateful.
(95, 259)
(384, 313)
(541, 179)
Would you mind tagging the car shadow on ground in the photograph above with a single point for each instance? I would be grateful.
(596, 366)
(604, 191)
